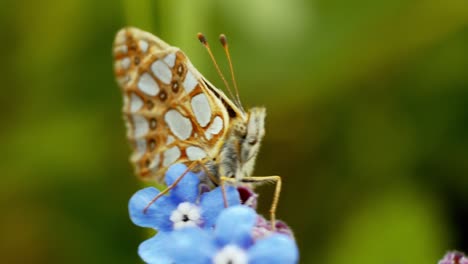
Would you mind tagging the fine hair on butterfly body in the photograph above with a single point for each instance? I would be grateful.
(242, 144)
(174, 115)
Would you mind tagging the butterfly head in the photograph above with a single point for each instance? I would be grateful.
(255, 132)
(248, 136)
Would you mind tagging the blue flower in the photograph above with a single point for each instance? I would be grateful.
(231, 242)
(183, 206)
(150, 249)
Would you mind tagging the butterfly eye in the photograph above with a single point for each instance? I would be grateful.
(252, 141)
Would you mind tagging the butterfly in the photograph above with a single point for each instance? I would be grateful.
(175, 115)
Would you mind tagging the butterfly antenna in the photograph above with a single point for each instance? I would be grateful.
(223, 40)
(203, 41)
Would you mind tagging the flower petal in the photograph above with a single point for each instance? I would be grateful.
(276, 249)
(212, 203)
(187, 189)
(452, 258)
(234, 226)
(464, 260)
(191, 245)
(154, 250)
(248, 196)
(158, 214)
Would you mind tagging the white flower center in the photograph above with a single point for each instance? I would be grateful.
(231, 254)
(186, 215)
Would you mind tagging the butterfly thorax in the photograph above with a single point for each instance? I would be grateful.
(241, 145)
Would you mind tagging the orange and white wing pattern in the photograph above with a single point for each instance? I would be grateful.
(171, 113)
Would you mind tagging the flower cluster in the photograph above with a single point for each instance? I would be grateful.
(454, 257)
(194, 226)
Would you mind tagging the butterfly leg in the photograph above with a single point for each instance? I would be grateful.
(207, 172)
(274, 204)
(174, 184)
(224, 179)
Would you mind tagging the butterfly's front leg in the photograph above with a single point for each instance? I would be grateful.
(274, 204)
(224, 179)
(193, 165)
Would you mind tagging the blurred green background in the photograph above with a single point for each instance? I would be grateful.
(367, 122)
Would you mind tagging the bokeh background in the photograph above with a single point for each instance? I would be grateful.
(367, 122)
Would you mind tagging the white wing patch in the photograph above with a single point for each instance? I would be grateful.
(170, 59)
(140, 126)
(195, 153)
(143, 45)
(148, 85)
(135, 103)
(171, 155)
(162, 71)
(154, 163)
(170, 140)
(190, 82)
(125, 63)
(122, 49)
(214, 128)
(139, 150)
(201, 109)
(180, 126)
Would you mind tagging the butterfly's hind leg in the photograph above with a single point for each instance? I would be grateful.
(174, 184)
(262, 179)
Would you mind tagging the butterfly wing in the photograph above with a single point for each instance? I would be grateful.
(172, 113)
